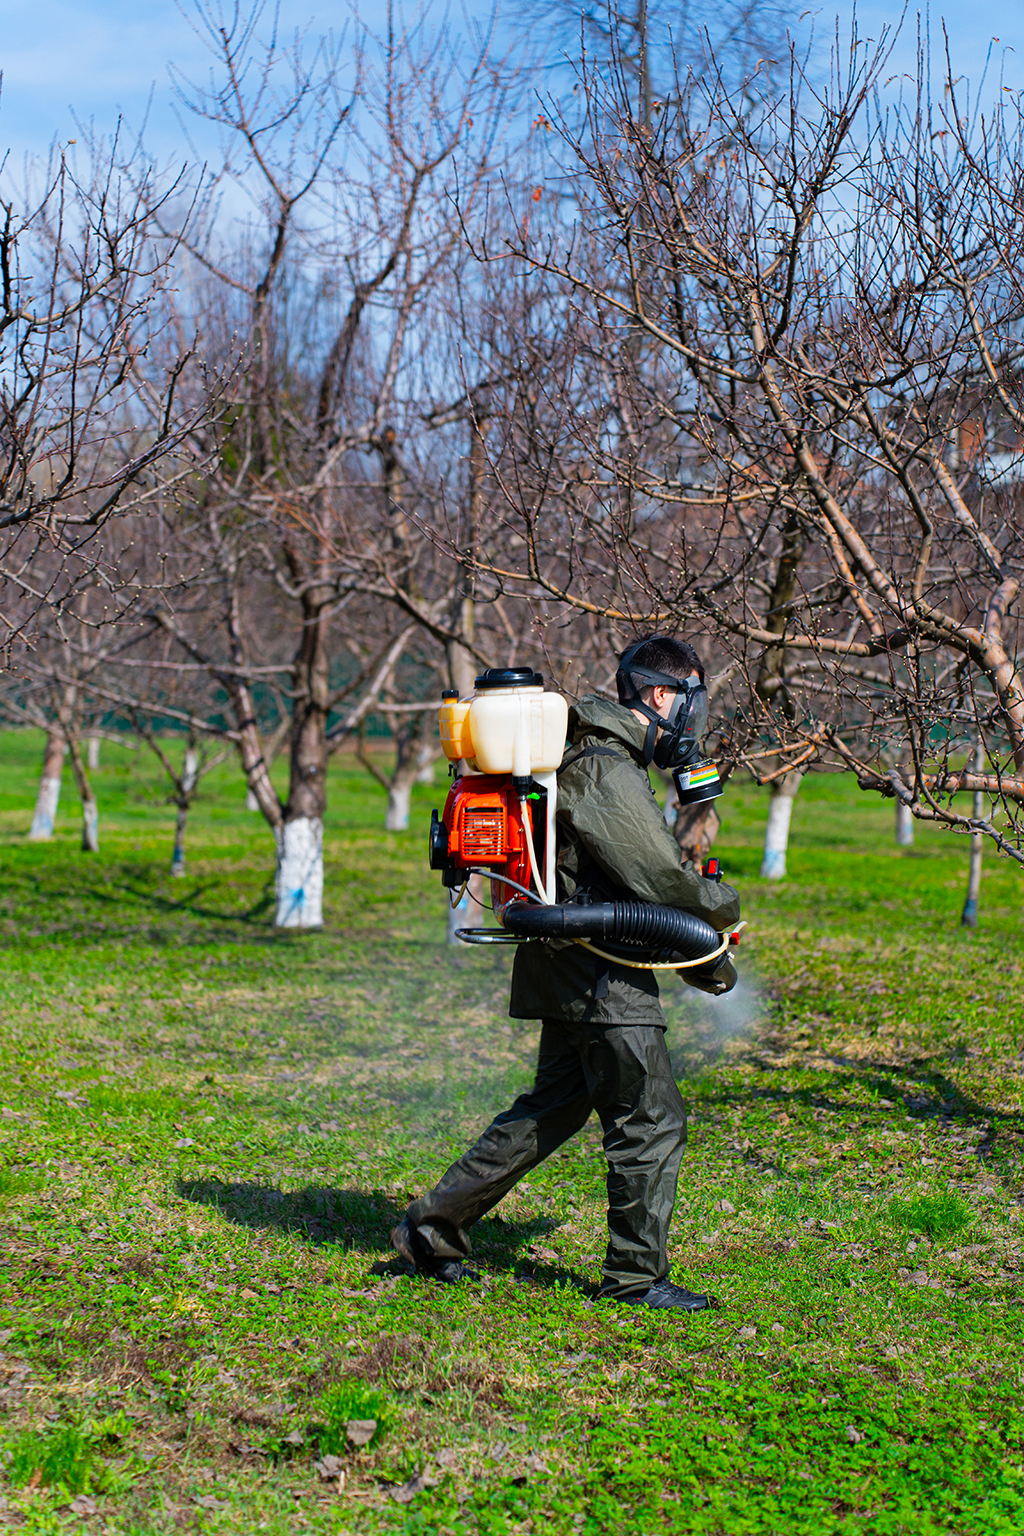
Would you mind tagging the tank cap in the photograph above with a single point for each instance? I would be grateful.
(510, 677)
(449, 693)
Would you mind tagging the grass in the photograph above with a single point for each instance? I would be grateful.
(207, 1130)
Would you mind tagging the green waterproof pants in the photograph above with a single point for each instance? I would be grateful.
(625, 1074)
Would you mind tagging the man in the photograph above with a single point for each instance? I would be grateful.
(602, 1043)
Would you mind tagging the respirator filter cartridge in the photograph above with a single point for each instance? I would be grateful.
(696, 783)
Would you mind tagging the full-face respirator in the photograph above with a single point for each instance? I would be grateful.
(673, 744)
(505, 746)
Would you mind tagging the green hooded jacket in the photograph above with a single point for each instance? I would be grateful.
(612, 838)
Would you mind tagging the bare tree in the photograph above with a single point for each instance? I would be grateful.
(96, 401)
(794, 324)
(301, 554)
(197, 760)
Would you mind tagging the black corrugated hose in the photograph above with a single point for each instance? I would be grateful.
(638, 923)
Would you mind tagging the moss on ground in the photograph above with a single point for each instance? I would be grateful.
(207, 1131)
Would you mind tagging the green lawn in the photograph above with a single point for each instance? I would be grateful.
(207, 1130)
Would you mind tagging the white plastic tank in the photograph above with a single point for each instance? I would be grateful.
(511, 725)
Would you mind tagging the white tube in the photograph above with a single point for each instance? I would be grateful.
(549, 781)
(531, 851)
(521, 743)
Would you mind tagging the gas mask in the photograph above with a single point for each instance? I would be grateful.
(674, 742)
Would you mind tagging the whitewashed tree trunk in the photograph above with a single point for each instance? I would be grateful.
(776, 834)
(396, 817)
(300, 873)
(415, 753)
(48, 797)
(90, 826)
(904, 825)
(92, 755)
(251, 802)
(189, 776)
(178, 855)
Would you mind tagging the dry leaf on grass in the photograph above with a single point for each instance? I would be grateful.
(332, 1468)
(360, 1431)
(416, 1484)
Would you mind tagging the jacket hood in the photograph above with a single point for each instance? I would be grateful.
(599, 719)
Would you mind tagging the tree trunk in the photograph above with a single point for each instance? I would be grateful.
(969, 916)
(178, 856)
(300, 873)
(93, 754)
(415, 748)
(776, 836)
(1002, 668)
(771, 688)
(904, 825)
(300, 846)
(695, 828)
(468, 913)
(189, 778)
(396, 817)
(90, 810)
(48, 797)
(271, 747)
(771, 677)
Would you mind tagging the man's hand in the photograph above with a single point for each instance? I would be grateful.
(719, 981)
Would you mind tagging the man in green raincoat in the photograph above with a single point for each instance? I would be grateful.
(602, 1043)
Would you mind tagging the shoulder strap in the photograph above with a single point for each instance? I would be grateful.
(589, 751)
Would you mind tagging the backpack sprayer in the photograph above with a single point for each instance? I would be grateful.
(506, 744)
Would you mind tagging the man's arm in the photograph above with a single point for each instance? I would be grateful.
(621, 826)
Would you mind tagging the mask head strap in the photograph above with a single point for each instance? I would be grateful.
(630, 679)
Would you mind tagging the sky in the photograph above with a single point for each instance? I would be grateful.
(96, 60)
(100, 58)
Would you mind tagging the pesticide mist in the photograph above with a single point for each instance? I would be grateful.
(702, 1028)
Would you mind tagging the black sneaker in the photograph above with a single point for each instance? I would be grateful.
(417, 1252)
(664, 1294)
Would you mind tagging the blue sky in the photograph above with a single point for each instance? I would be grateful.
(102, 57)
(98, 58)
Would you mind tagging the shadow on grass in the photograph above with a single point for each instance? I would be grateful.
(359, 1220)
(192, 906)
(349, 1218)
(917, 1089)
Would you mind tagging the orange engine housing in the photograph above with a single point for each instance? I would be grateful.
(483, 819)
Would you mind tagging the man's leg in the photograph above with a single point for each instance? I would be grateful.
(644, 1122)
(557, 1106)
